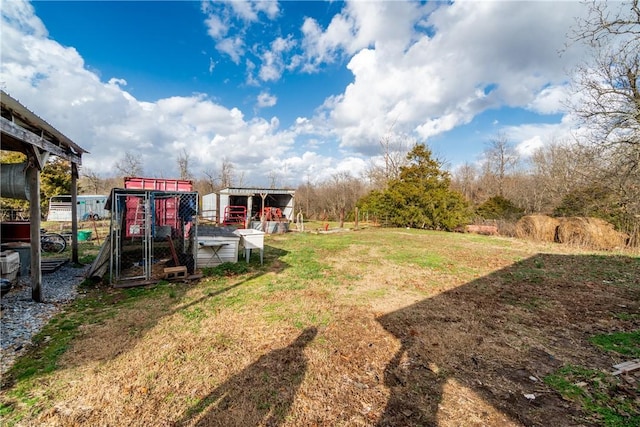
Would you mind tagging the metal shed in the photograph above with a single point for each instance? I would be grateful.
(219, 206)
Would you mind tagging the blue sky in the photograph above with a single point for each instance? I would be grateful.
(297, 90)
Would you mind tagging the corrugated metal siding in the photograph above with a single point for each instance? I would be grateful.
(138, 183)
(209, 208)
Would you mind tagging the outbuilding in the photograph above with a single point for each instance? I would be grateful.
(23, 131)
(267, 208)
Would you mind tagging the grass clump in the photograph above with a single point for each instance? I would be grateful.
(625, 343)
(226, 269)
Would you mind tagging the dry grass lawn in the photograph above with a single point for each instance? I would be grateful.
(365, 328)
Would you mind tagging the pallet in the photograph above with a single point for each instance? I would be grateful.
(623, 368)
(49, 265)
(179, 272)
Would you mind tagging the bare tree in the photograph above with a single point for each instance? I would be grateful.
(332, 198)
(500, 158)
(211, 180)
(91, 180)
(226, 173)
(394, 151)
(183, 165)
(608, 101)
(465, 180)
(219, 178)
(129, 165)
(561, 167)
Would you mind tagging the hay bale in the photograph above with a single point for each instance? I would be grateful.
(537, 227)
(589, 232)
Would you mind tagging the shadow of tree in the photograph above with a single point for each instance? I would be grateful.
(501, 334)
(261, 394)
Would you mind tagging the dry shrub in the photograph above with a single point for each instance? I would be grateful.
(590, 232)
(537, 227)
(507, 228)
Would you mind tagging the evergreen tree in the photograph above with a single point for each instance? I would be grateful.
(498, 207)
(421, 196)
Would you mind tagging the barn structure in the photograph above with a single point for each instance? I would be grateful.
(23, 131)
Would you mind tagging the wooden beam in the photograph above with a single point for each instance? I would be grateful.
(31, 138)
(33, 177)
(74, 213)
(37, 158)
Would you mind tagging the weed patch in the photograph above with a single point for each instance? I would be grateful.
(226, 269)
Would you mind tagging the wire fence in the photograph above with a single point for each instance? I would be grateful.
(152, 231)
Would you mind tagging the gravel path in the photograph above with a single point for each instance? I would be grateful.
(22, 318)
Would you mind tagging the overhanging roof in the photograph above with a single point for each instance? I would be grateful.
(241, 191)
(22, 127)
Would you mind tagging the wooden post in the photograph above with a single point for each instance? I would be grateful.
(263, 220)
(33, 178)
(355, 226)
(74, 213)
(247, 219)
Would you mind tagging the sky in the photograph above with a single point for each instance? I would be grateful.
(290, 91)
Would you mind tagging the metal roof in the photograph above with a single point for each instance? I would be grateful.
(16, 114)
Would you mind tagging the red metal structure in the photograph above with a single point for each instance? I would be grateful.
(165, 210)
(235, 215)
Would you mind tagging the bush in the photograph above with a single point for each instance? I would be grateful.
(498, 207)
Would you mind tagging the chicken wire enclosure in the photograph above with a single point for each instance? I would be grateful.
(150, 231)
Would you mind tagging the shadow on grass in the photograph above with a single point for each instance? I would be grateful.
(262, 394)
(500, 335)
(103, 302)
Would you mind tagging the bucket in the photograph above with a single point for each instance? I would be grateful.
(13, 181)
(84, 235)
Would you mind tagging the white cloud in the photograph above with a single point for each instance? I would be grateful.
(232, 46)
(385, 25)
(270, 8)
(478, 56)
(265, 99)
(531, 136)
(216, 27)
(108, 121)
(227, 22)
(244, 9)
(551, 100)
(273, 59)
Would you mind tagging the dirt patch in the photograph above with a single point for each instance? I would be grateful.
(500, 337)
